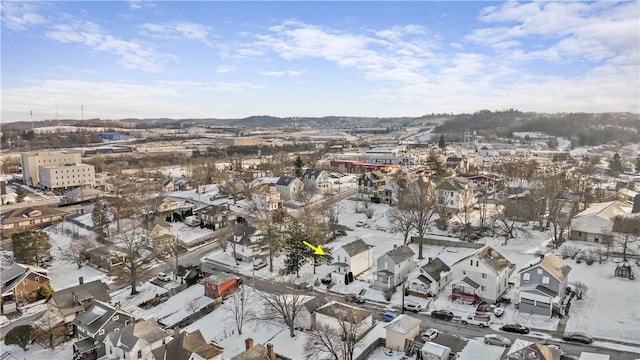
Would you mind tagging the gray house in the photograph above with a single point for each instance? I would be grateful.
(543, 282)
(289, 187)
(93, 325)
(393, 267)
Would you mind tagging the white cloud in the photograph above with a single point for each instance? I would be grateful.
(283, 73)
(20, 16)
(140, 4)
(223, 69)
(177, 30)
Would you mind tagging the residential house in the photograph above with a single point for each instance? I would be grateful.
(393, 267)
(543, 282)
(245, 242)
(168, 206)
(168, 185)
(12, 221)
(524, 206)
(20, 284)
(92, 326)
(430, 278)
(266, 198)
(596, 223)
(136, 340)
(219, 284)
(162, 237)
(306, 316)
(256, 352)
(523, 349)
(335, 314)
(317, 179)
(107, 257)
(457, 163)
(71, 301)
(81, 194)
(182, 184)
(188, 346)
(481, 276)
(355, 257)
(289, 187)
(216, 216)
(400, 330)
(371, 186)
(482, 183)
(456, 195)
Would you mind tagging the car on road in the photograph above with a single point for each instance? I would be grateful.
(495, 339)
(163, 277)
(515, 328)
(429, 335)
(577, 337)
(259, 265)
(412, 307)
(360, 223)
(326, 280)
(351, 297)
(388, 316)
(442, 315)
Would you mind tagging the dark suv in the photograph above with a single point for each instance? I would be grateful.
(442, 315)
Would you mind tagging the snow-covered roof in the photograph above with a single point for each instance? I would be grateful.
(403, 324)
(550, 262)
(607, 210)
(435, 349)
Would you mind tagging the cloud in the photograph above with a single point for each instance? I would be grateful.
(223, 69)
(132, 54)
(140, 4)
(20, 16)
(283, 73)
(177, 30)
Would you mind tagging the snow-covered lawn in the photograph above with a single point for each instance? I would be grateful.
(477, 349)
(35, 351)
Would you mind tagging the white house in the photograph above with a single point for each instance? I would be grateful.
(335, 314)
(306, 316)
(400, 329)
(393, 267)
(289, 187)
(430, 278)
(135, 341)
(245, 242)
(355, 257)
(596, 222)
(317, 178)
(455, 194)
(266, 197)
(482, 275)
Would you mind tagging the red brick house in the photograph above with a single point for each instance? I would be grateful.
(219, 285)
(20, 283)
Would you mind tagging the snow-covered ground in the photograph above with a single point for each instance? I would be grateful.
(37, 352)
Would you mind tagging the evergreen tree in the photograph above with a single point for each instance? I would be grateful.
(442, 143)
(20, 193)
(31, 247)
(100, 218)
(615, 164)
(298, 165)
(437, 164)
(296, 251)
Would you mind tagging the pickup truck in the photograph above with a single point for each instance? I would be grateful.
(480, 320)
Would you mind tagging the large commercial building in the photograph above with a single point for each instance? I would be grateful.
(66, 176)
(31, 162)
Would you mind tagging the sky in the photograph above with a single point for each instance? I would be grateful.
(213, 59)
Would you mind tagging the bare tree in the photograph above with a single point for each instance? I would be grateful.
(398, 222)
(502, 225)
(241, 306)
(46, 325)
(418, 204)
(336, 342)
(625, 233)
(580, 288)
(284, 302)
(232, 187)
(77, 249)
(134, 241)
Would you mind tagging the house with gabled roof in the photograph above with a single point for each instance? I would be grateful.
(188, 346)
(596, 222)
(455, 195)
(162, 237)
(335, 313)
(20, 284)
(306, 316)
(29, 218)
(317, 179)
(355, 257)
(73, 300)
(543, 282)
(136, 340)
(216, 216)
(245, 242)
(523, 349)
(481, 276)
(401, 329)
(429, 279)
(92, 326)
(266, 198)
(289, 187)
(371, 185)
(393, 267)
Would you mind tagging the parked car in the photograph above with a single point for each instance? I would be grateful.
(388, 316)
(429, 335)
(351, 297)
(360, 223)
(163, 277)
(515, 328)
(495, 339)
(476, 319)
(412, 307)
(442, 315)
(259, 265)
(326, 280)
(577, 337)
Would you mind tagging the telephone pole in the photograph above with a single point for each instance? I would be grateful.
(82, 111)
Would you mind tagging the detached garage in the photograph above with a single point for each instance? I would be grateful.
(219, 285)
(401, 329)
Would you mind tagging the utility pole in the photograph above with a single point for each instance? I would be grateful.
(82, 111)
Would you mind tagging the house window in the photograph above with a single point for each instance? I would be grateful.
(164, 341)
(526, 276)
(483, 288)
(139, 354)
(464, 272)
(116, 317)
(101, 332)
(471, 262)
(37, 279)
(539, 271)
(484, 276)
(545, 280)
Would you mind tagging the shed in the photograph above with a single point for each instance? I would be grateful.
(219, 284)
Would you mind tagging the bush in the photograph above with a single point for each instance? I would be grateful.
(44, 292)
(20, 335)
(568, 251)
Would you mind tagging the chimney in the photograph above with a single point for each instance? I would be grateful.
(270, 354)
(248, 343)
(81, 280)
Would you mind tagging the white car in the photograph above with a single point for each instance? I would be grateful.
(413, 307)
(163, 277)
(429, 335)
